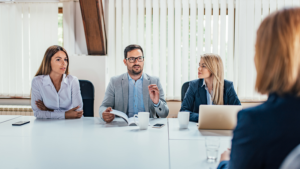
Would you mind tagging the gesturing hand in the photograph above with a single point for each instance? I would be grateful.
(154, 93)
(40, 104)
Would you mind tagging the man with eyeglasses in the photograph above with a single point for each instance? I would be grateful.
(134, 91)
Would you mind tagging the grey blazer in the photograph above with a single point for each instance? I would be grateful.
(116, 96)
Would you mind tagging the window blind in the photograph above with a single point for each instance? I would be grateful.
(26, 31)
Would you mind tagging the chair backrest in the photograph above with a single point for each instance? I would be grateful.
(184, 88)
(292, 161)
(88, 95)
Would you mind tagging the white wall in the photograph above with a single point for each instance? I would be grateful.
(92, 68)
(80, 45)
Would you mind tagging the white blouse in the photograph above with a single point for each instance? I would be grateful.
(68, 96)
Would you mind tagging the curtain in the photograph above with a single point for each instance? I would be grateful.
(26, 31)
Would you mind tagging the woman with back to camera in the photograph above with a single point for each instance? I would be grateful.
(210, 88)
(267, 133)
(54, 93)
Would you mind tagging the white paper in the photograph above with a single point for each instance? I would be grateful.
(120, 114)
(129, 121)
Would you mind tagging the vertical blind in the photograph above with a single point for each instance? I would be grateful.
(249, 15)
(173, 34)
(26, 31)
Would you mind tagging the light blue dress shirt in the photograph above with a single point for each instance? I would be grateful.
(68, 96)
(135, 100)
(208, 96)
(135, 97)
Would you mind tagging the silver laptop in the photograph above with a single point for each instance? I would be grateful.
(218, 117)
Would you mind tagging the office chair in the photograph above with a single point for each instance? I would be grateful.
(184, 88)
(88, 95)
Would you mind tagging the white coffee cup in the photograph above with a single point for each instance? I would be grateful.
(143, 120)
(183, 119)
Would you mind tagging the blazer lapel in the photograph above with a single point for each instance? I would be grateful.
(202, 93)
(125, 91)
(146, 83)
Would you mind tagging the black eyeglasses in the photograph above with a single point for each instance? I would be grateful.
(132, 59)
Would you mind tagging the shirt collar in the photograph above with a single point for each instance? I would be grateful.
(47, 80)
(65, 80)
(141, 78)
(204, 84)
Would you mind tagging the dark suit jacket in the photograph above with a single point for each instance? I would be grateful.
(196, 95)
(265, 134)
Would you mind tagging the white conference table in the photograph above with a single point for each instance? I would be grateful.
(91, 143)
(191, 154)
(4, 118)
(82, 143)
(187, 146)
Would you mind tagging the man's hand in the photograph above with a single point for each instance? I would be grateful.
(225, 156)
(154, 93)
(107, 116)
(40, 104)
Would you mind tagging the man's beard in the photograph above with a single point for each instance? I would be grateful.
(136, 72)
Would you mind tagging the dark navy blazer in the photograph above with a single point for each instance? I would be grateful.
(196, 95)
(265, 134)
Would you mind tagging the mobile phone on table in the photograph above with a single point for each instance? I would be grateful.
(158, 125)
(20, 123)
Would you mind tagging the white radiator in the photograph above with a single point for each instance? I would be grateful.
(16, 110)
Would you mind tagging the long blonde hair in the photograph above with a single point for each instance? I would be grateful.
(277, 53)
(215, 66)
(45, 67)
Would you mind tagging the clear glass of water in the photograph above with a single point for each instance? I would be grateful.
(212, 145)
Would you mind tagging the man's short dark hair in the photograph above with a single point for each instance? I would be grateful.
(130, 48)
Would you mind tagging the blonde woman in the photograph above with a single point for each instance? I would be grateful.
(54, 93)
(266, 134)
(210, 88)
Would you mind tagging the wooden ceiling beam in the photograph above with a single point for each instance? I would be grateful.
(60, 10)
(94, 26)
